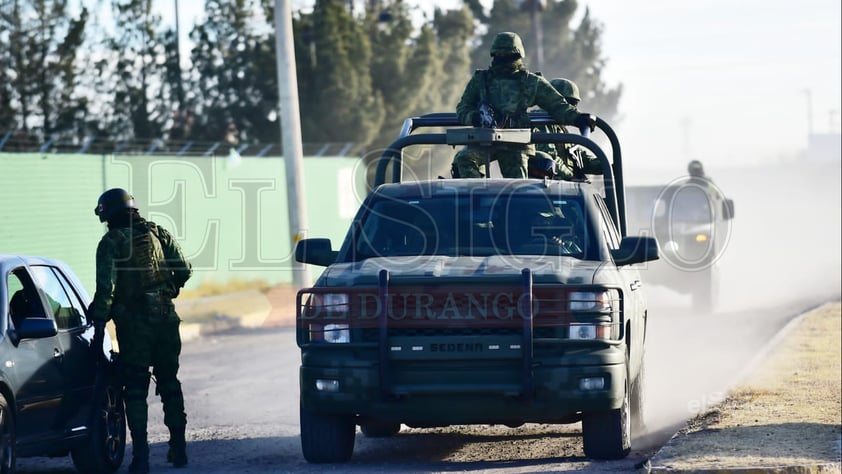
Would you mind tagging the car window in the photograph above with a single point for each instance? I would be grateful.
(24, 301)
(66, 314)
(612, 237)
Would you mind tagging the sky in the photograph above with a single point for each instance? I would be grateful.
(717, 80)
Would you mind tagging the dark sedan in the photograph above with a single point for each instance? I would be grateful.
(57, 397)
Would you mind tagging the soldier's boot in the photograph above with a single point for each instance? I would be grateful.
(140, 455)
(177, 453)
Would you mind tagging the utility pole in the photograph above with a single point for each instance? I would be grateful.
(538, 29)
(180, 84)
(291, 134)
(809, 95)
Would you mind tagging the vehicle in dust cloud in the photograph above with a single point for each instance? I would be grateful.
(691, 220)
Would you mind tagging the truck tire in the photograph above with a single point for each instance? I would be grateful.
(607, 434)
(637, 401)
(103, 449)
(7, 437)
(380, 429)
(326, 438)
(706, 292)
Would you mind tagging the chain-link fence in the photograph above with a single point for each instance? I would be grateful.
(12, 141)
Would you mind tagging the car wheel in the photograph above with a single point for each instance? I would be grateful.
(607, 434)
(7, 437)
(380, 429)
(103, 449)
(326, 438)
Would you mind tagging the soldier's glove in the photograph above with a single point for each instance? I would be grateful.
(584, 121)
(476, 119)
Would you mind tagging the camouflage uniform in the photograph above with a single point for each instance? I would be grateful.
(564, 156)
(139, 269)
(510, 90)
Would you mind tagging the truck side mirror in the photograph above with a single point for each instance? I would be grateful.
(635, 250)
(728, 209)
(315, 252)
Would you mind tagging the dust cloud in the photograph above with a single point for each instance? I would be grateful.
(783, 257)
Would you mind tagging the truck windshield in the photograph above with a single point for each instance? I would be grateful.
(475, 226)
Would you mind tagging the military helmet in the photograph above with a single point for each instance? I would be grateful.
(567, 88)
(507, 43)
(695, 168)
(113, 201)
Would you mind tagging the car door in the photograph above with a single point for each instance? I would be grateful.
(634, 302)
(34, 365)
(77, 363)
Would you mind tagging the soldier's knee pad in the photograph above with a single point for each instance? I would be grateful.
(136, 381)
(169, 390)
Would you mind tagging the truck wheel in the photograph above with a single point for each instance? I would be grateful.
(103, 449)
(607, 434)
(380, 429)
(706, 293)
(326, 438)
(7, 437)
(637, 399)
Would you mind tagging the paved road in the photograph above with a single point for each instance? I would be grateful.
(242, 398)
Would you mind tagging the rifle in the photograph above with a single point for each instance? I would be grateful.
(486, 115)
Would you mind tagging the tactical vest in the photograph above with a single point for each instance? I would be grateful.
(516, 116)
(143, 266)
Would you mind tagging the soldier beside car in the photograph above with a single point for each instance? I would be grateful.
(139, 270)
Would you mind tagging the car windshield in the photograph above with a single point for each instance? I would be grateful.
(690, 204)
(473, 225)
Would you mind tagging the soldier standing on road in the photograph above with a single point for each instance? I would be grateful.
(509, 89)
(139, 270)
(562, 161)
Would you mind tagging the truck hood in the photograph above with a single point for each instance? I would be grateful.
(545, 269)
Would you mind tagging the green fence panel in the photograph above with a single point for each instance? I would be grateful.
(229, 214)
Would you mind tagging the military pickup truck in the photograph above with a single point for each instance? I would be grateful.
(475, 301)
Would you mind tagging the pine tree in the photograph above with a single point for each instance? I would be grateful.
(573, 52)
(338, 101)
(39, 90)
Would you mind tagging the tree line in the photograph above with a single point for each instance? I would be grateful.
(65, 73)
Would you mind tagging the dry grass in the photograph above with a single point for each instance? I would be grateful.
(212, 288)
(789, 412)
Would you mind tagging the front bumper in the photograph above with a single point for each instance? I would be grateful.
(444, 392)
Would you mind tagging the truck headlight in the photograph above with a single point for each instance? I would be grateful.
(602, 301)
(332, 303)
(330, 333)
(591, 331)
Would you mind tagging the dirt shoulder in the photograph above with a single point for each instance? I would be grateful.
(786, 416)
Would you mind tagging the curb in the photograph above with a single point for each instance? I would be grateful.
(252, 309)
(820, 468)
(756, 361)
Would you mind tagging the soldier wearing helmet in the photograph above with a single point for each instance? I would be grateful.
(562, 161)
(506, 89)
(139, 270)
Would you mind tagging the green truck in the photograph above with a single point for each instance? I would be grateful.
(475, 301)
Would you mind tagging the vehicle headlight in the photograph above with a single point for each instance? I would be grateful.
(602, 301)
(591, 331)
(330, 333)
(332, 303)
